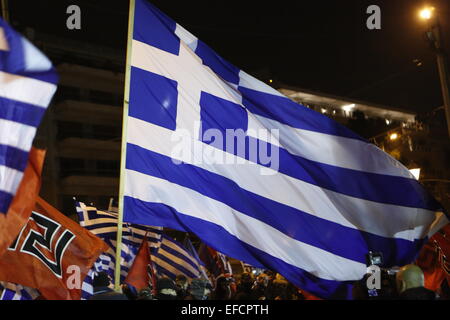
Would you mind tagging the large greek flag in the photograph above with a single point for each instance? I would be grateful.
(213, 151)
(27, 84)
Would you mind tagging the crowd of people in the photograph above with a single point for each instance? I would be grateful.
(406, 284)
(246, 286)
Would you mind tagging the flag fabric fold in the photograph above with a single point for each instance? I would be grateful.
(172, 259)
(52, 254)
(213, 151)
(28, 82)
(104, 225)
(138, 275)
(24, 201)
(217, 263)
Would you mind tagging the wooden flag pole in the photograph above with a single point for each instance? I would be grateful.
(126, 99)
(5, 10)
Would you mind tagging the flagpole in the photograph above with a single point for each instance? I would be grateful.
(126, 98)
(5, 11)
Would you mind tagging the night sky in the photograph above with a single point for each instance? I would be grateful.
(322, 45)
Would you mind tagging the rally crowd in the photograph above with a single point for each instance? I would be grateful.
(408, 284)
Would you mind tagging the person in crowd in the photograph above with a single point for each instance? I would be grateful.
(198, 289)
(244, 289)
(145, 294)
(129, 291)
(278, 290)
(293, 293)
(182, 283)
(360, 290)
(166, 289)
(102, 290)
(233, 285)
(444, 291)
(222, 290)
(260, 287)
(410, 284)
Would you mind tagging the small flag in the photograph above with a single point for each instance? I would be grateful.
(138, 275)
(104, 225)
(191, 249)
(172, 259)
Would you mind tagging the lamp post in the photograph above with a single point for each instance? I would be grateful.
(434, 36)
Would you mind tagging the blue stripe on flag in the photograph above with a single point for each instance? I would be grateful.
(180, 268)
(286, 111)
(179, 253)
(284, 218)
(5, 201)
(220, 66)
(21, 112)
(153, 27)
(153, 98)
(13, 158)
(238, 249)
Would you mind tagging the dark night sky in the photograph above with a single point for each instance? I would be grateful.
(322, 45)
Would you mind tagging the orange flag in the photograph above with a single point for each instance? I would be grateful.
(138, 275)
(23, 203)
(52, 254)
(434, 259)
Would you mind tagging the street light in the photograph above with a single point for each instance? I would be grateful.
(426, 13)
(434, 36)
(393, 136)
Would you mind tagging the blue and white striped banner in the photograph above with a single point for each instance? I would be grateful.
(172, 259)
(104, 225)
(28, 82)
(298, 193)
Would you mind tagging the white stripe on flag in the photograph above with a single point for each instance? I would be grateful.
(329, 149)
(177, 260)
(10, 179)
(175, 247)
(261, 236)
(28, 90)
(16, 134)
(360, 214)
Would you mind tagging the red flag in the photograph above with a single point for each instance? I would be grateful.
(18, 213)
(309, 296)
(52, 254)
(138, 275)
(434, 259)
(216, 262)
